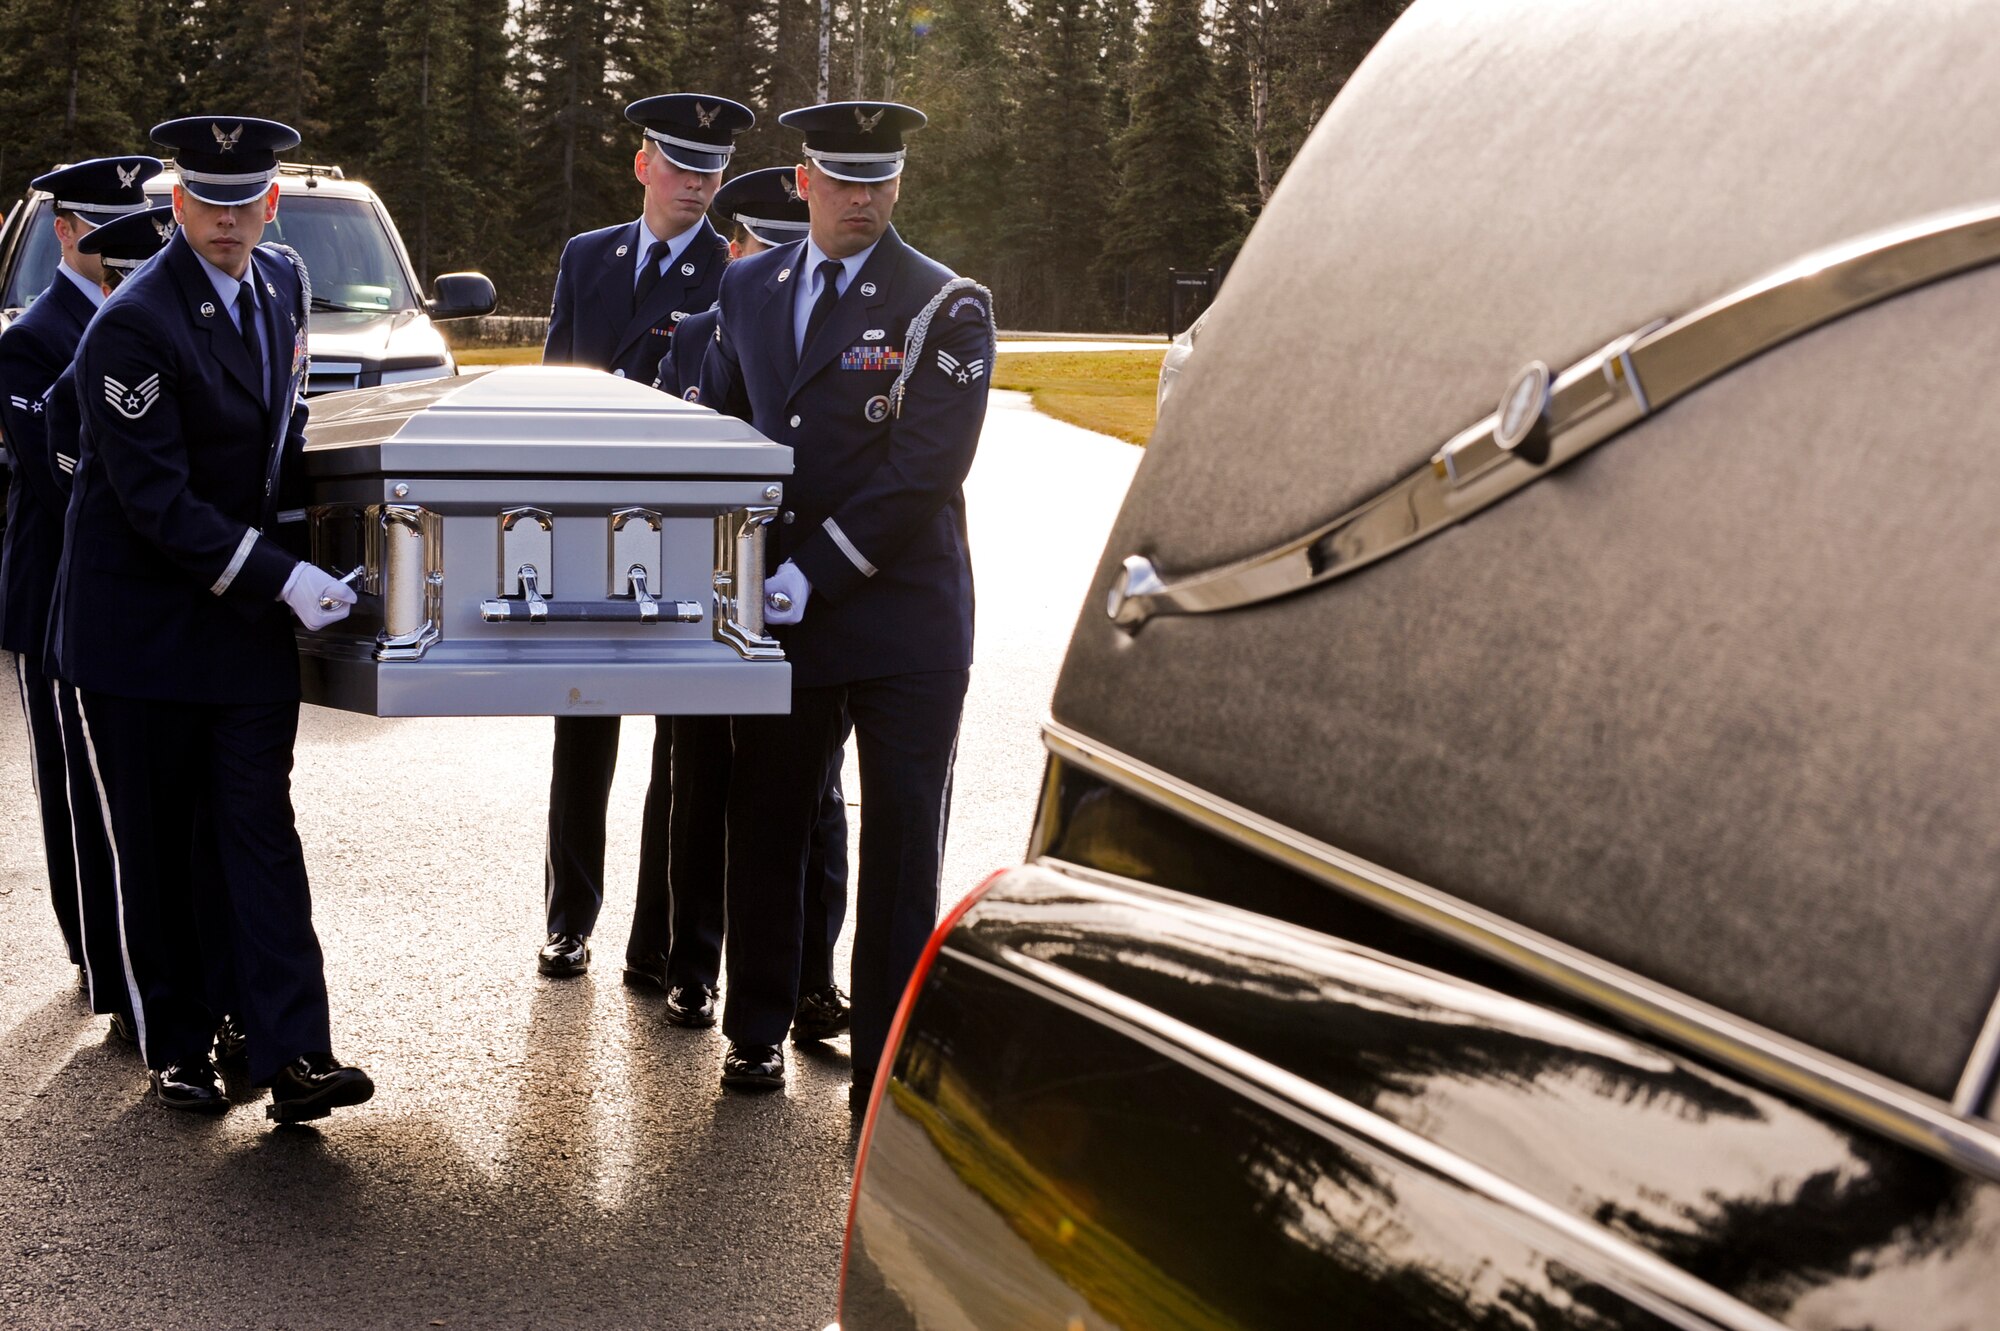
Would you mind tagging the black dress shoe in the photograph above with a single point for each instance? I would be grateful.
(860, 1093)
(564, 955)
(121, 1027)
(232, 1042)
(821, 1015)
(650, 973)
(191, 1085)
(691, 1005)
(313, 1086)
(753, 1067)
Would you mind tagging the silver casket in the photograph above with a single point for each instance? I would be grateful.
(542, 541)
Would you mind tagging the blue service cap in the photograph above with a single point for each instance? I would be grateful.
(132, 239)
(694, 131)
(103, 188)
(858, 141)
(767, 202)
(226, 160)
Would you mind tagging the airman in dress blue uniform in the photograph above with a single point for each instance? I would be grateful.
(34, 351)
(870, 361)
(763, 209)
(619, 293)
(171, 621)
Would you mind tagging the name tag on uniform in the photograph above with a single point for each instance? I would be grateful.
(872, 358)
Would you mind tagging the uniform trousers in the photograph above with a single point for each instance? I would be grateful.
(584, 763)
(85, 855)
(702, 762)
(906, 737)
(209, 875)
(51, 781)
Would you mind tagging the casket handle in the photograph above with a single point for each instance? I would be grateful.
(533, 608)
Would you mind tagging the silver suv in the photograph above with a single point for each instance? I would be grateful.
(370, 324)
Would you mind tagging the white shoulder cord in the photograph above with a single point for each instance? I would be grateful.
(913, 341)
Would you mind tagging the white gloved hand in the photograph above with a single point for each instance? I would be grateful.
(790, 585)
(311, 590)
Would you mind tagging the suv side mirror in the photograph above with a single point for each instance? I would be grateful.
(461, 296)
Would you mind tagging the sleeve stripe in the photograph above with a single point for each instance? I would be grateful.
(854, 556)
(243, 548)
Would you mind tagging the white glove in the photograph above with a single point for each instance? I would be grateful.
(310, 590)
(790, 585)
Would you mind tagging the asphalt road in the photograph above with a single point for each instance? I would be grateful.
(539, 1153)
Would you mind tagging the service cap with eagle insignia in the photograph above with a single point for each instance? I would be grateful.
(767, 204)
(858, 141)
(102, 189)
(226, 160)
(692, 130)
(128, 242)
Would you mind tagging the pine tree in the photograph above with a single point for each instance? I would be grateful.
(264, 61)
(352, 61)
(65, 66)
(576, 156)
(1168, 212)
(419, 151)
(1061, 173)
(958, 72)
(728, 54)
(488, 106)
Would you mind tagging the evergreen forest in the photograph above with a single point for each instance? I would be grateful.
(1076, 151)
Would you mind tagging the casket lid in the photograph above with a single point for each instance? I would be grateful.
(531, 420)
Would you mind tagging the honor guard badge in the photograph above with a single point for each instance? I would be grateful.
(133, 402)
(875, 335)
(877, 409)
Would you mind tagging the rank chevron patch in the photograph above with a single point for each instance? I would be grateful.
(960, 372)
(134, 402)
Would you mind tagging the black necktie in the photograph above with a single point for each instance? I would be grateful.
(649, 276)
(829, 292)
(246, 318)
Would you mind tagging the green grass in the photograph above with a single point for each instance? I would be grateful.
(498, 355)
(1110, 392)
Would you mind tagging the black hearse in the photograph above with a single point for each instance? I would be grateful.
(1521, 836)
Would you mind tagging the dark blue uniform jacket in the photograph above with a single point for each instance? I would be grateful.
(680, 368)
(878, 512)
(169, 581)
(593, 321)
(34, 350)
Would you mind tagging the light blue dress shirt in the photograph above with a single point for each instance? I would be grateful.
(226, 288)
(675, 247)
(90, 289)
(809, 261)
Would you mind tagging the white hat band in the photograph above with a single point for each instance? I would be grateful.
(217, 178)
(115, 209)
(821, 155)
(717, 149)
(770, 224)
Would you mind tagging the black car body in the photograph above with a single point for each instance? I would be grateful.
(1535, 866)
